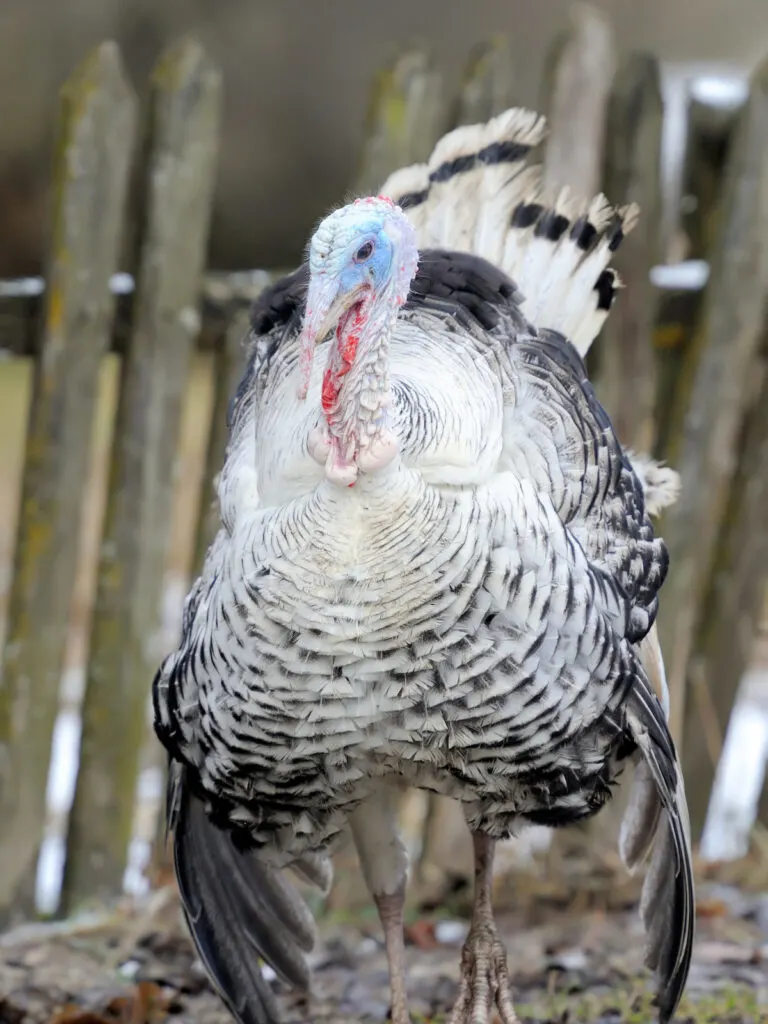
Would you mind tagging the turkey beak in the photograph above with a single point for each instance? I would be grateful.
(325, 307)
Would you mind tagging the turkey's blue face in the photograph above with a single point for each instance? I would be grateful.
(367, 262)
(359, 254)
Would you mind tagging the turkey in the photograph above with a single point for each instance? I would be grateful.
(435, 569)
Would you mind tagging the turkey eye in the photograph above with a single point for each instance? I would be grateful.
(364, 252)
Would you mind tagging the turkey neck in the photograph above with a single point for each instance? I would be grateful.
(355, 394)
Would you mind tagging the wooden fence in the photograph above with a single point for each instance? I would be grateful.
(680, 371)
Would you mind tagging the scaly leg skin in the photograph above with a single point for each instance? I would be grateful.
(484, 975)
(391, 916)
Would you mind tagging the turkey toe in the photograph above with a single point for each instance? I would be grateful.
(484, 980)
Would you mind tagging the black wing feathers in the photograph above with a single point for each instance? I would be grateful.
(467, 287)
(228, 903)
(667, 903)
(281, 303)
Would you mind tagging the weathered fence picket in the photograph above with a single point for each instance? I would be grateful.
(406, 117)
(724, 640)
(732, 607)
(627, 367)
(96, 127)
(577, 83)
(724, 351)
(623, 360)
(488, 85)
(709, 136)
(182, 138)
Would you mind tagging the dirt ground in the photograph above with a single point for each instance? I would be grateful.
(569, 963)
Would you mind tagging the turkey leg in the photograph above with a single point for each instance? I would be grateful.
(391, 915)
(484, 975)
(384, 863)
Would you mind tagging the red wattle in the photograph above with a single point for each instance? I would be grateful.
(347, 342)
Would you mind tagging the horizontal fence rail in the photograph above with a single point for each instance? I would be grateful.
(221, 296)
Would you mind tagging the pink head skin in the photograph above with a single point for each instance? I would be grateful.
(362, 259)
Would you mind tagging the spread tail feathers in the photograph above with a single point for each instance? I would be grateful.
(239, 909)
(478, 193)
(658, 817)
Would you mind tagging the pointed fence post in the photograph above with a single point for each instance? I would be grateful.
(577, 85)
(488, 86)
(709, 139)
(723, 355)
(407, 116)
(627, 380)
(732, 609)
(182, 147)
(228, 369)
(93, 153)
(228, 366)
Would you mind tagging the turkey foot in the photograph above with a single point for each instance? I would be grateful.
(484, 979)
(484, 975)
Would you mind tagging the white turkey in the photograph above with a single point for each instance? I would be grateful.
(435, 568)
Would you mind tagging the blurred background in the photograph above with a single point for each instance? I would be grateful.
(298, 79)
(158, 162)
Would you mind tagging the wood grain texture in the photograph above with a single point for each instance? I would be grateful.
(182, 142)
(723, 360)
(488, 85)
(577, 84)
(408, 113)
(733, 606)
(228, 369)
(96, 127)
(627, 382)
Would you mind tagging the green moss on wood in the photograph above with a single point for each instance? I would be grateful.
(182, 137)
(487, 83)
(89, 187)
(406, 115)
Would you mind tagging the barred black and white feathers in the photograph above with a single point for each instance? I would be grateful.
(477, 620)
(479, 193)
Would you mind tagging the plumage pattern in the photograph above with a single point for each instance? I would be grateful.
(479, 193)
(472, 618)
